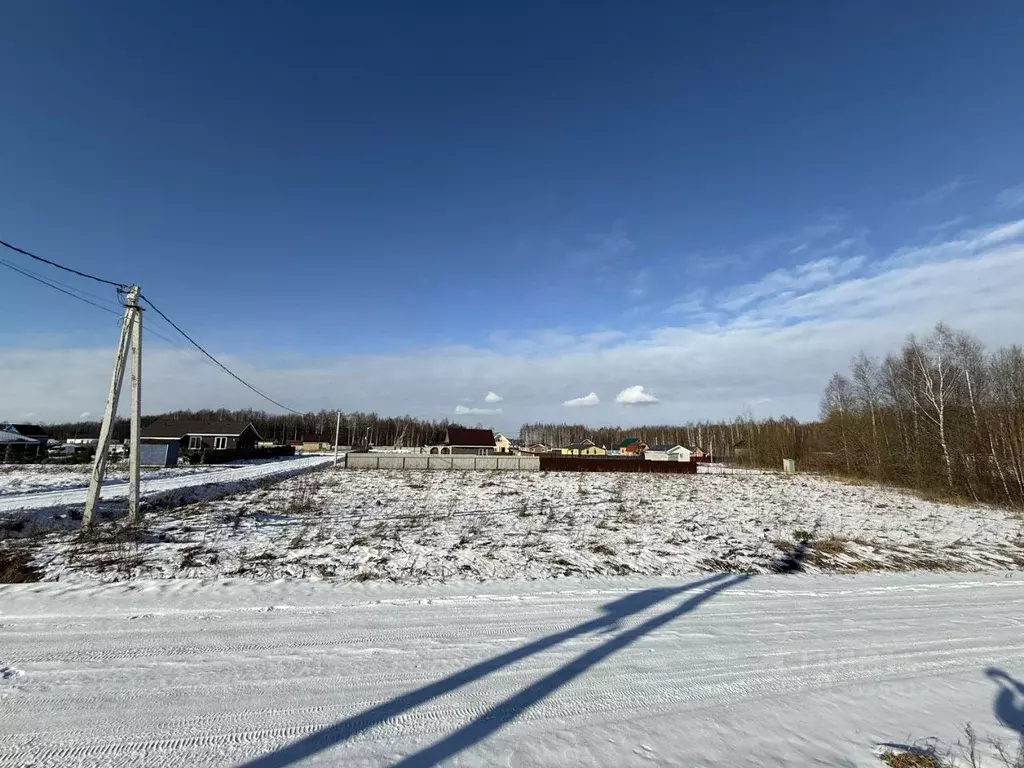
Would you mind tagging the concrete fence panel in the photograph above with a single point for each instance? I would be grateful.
(434, 461)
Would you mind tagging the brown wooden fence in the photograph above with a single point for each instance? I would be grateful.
(604, 464)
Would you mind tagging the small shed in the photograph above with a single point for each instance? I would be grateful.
(158, 453)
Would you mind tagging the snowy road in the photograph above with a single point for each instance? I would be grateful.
(720, 670)
(75, 496)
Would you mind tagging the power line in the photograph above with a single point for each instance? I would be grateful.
(44, 281)
(47, 282)
(147, 329)
(219, 364)
(54, 281)
(121, 287)
(61, 266)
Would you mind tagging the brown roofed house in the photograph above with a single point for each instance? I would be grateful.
(200, 435)
(476, 442)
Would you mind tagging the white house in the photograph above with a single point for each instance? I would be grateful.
(87, 441)
(668, 452)
(502, 444)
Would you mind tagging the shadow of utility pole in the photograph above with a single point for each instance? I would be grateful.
(507, 711)
(612, 615)
(1009, 703)
(793, 561)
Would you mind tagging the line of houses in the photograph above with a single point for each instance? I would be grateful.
(629, 447)
(484, 442)
(168, 436)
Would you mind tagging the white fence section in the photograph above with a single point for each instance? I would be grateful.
(433, 461)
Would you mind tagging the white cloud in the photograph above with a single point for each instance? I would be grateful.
(1011, 197)
(85, 414)
(796, 280)
(493, 397)
(964, 244)
(635, 395)
(784, 346)
(583, 402)
(463, 410)
(30, 415)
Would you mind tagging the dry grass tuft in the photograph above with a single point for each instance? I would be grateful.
(115, 548)
(16, 567)
(910, 760)
(831, 545)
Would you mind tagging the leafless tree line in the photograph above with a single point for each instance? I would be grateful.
(941, 414)
(717, 438)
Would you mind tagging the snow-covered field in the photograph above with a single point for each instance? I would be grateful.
(689, 671)
(421, 526)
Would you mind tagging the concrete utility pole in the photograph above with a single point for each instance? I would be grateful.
(99, 466)
(134, 457)
(337, 435)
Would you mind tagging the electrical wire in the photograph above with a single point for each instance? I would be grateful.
(61, 266)
(121, 287)
(218, 363)
(44, 281)
(172, 342)
(54, 281)
(47, 282)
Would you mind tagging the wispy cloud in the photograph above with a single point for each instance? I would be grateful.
(943, 226)
(602, 247)
(794, 280)
(493, 397)
(939, 193)
(583, 402)
(966, 242)
(1011, 197)
(783, 346)
(462, 410)
(635, 395)
(801, 241)
(639, 283)
(795, 241)
(690, 304)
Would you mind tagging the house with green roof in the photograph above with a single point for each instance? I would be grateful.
(632, 446)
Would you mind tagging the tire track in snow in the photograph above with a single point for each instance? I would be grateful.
(259, 681)
(621, 693)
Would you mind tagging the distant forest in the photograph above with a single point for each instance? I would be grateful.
(356, 428)
(941, 415)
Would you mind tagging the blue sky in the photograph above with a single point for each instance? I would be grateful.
(406, 206)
